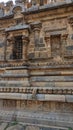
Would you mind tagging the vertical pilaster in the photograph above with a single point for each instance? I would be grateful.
(25, 40)
(5, 47)
(64, 43)
(36, 28)
(48, 45)
(9, 48)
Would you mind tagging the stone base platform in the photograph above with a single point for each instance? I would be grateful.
(39, 120)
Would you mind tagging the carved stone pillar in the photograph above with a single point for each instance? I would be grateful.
(48, 45)
(64, 43)
(25, 46)
(9, 47)
(36, 28)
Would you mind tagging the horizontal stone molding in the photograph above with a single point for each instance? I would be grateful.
(51, 78)
(15, 88)
(40, 97)
(14, 75)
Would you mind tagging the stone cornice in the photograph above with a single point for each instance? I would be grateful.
(17, 27)
(7, 16)
(36, 26)
(37, 9)
(47, 7)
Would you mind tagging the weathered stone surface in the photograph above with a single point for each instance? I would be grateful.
(16, 127)
(59, 98)
(36, 64)
(3, 126)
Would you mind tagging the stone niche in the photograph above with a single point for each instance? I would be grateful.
(17, 42)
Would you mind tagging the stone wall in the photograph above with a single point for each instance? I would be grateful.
(38, 87)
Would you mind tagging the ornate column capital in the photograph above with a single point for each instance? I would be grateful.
(36, 26)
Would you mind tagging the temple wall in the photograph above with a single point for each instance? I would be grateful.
(36, 64)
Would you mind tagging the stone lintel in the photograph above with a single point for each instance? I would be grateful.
(17, 27)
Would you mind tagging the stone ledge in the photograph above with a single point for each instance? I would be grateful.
(41, 97)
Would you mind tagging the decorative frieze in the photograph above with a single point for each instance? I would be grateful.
(38, 90)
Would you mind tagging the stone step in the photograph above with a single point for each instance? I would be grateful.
(55, 121)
